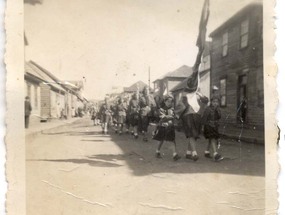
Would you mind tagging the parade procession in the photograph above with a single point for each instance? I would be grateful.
(117, 118)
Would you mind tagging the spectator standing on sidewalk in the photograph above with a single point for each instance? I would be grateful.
(210, 121)
(165, 130)
(28, 110)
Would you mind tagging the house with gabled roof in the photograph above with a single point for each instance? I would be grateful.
(164, 84)
(140, 85)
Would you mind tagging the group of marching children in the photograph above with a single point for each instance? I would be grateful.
(134, 114)
(137, 112)
(206, 120)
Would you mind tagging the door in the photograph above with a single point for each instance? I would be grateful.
(242, 99)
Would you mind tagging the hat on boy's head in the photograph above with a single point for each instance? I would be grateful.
(27, 97)
(215, 97)
(167, 97)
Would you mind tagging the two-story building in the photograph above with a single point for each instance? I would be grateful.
(237, 67)
(164, 85)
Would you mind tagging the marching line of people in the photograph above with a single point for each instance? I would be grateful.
(135, 115)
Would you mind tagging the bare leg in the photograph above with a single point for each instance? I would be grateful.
(214, 146)
(192, 147)
(136, 131)
(157, 153)
(216, 155)
(159, 145)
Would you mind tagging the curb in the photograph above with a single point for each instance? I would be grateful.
(36, 133)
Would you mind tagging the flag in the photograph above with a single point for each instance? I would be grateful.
(193, 80)
(164, 89)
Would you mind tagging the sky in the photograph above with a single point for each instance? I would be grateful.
(114, 42)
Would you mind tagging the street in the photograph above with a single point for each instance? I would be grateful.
(74, 169)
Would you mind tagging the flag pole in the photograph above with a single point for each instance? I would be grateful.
(149, 77)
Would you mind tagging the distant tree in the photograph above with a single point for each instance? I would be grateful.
(33, 2)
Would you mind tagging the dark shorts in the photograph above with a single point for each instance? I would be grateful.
(192, 125)
(121, 119)
(211, 132)
(134, 119)
(164, 133)
(143, 123)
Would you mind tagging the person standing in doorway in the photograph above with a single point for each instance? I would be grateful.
(28, 110)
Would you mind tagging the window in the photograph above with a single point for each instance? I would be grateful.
(244, 33)
(223, 93)
(225, 44)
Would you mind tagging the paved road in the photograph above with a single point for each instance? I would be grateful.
(75, 170)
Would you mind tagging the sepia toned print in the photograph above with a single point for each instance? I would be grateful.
(142, 107)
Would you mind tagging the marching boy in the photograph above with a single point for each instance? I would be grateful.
(165, 130)
(210, 120)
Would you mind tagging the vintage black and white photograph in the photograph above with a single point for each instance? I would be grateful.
(144, 107)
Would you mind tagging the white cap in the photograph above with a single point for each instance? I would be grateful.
(215, 87)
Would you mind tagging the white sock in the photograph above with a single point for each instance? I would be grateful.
(207, 152)
(174, 154)
(157, 151)
(194, 153)
(188, 152)
(215, 153)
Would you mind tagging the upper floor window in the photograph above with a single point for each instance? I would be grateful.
(225, 44)
(155, 85)
(223, 92)
(244, 28)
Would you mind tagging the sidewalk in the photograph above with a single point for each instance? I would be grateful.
(246, 134)
(37, 127)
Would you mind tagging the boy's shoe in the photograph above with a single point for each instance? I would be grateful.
(136, 136)
(207, 155)
(218, 157)
(132, 133)
(120, 133)
(195, 157)
(116, 131)
(188, 156)
(176, 157)
(158, 155)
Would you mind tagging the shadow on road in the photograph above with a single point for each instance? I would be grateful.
(240, 158)
(82, 161)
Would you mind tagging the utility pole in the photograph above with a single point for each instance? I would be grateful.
(149, 77)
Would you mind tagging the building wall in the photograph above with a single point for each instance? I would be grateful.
(247, 61)
(32, 90)
(45, 101)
